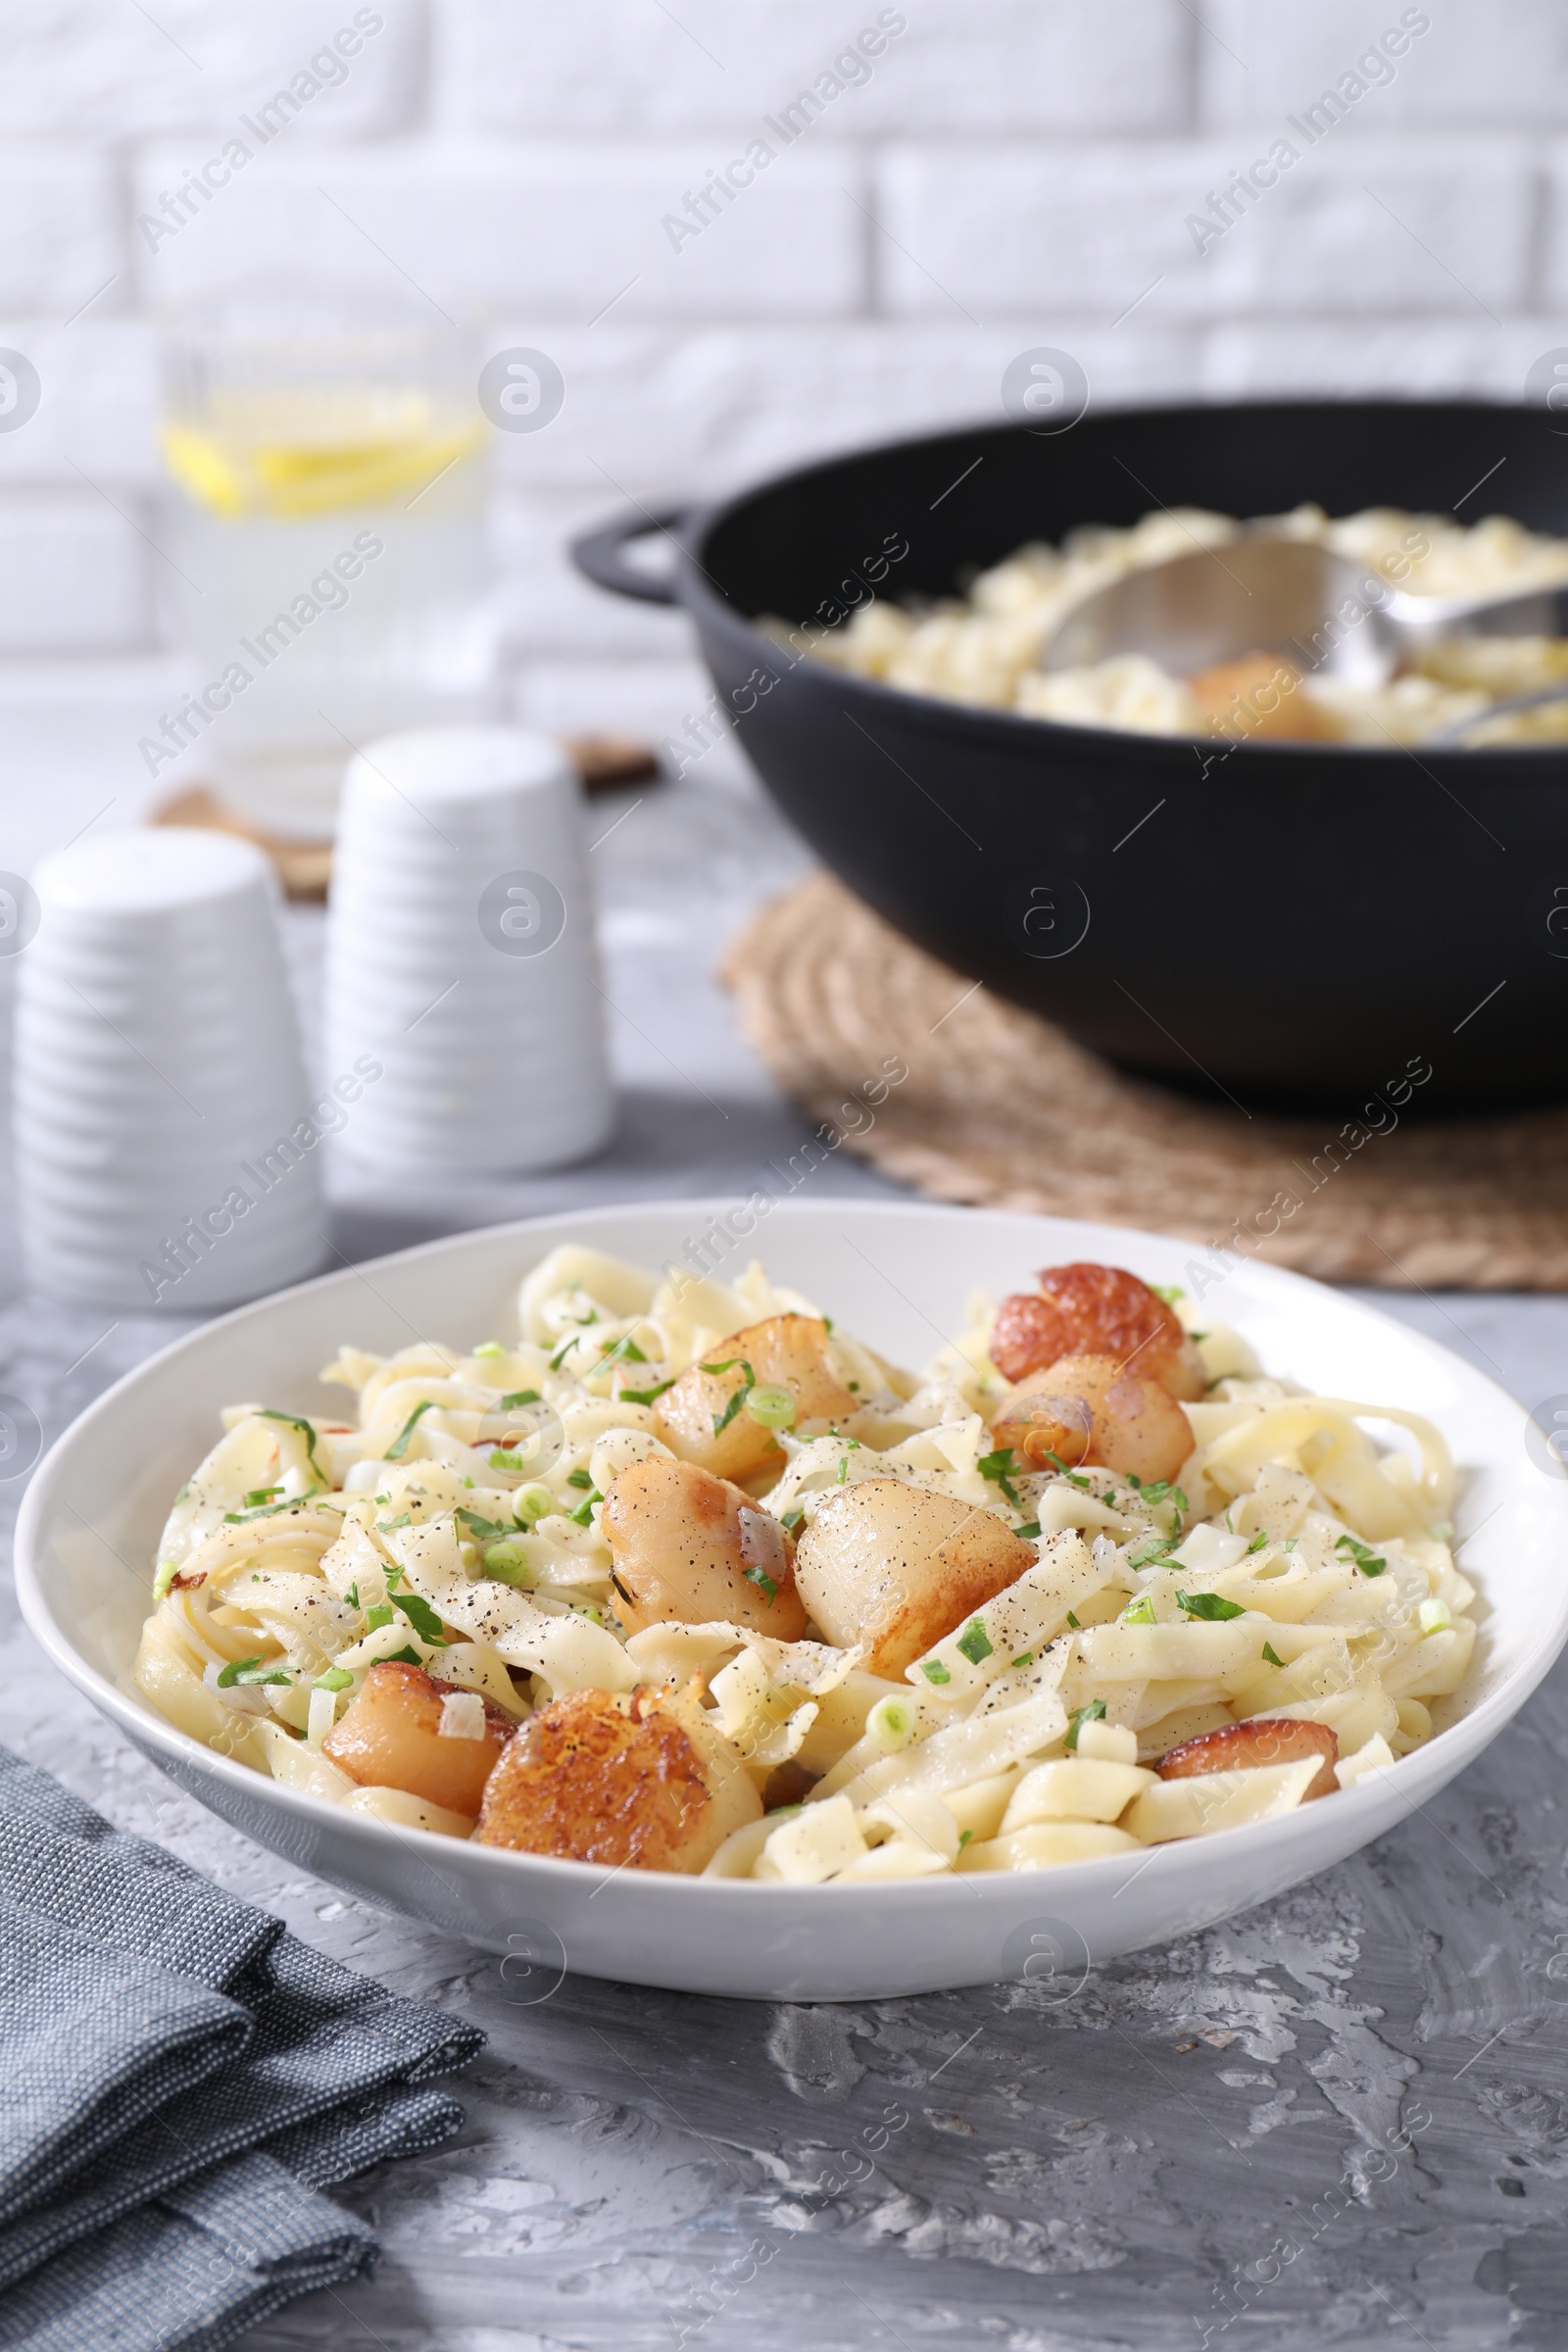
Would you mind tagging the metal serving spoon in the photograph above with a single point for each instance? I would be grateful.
(1283, 596)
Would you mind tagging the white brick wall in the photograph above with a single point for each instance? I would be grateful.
(1000, 173)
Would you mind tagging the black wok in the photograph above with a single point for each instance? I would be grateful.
(1288, 922)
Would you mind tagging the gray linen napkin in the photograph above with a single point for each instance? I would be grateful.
(179, 2077)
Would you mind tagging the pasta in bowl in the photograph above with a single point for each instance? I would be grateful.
(689, 1578)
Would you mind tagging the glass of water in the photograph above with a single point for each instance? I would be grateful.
(325, 541)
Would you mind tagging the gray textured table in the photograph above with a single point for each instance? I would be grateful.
(1343, 2118)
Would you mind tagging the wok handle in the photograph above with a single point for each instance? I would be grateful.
(600, 554)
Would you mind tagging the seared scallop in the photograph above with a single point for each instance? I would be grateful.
(1135, 1424)
(632, 1778)
(392, 1736)
(1096, 1310)
(782, 1369)
(689, 1545)
(896, 1567)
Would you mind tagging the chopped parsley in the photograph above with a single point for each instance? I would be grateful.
(1170, 1292)
(1211, 1607)
(384, 1527)
(934, 1671)
(400, 1444)
(1154, 1547)
(516, 1397)
(352, 1596)
(974, 1643)
(1074, 1478)
(644, 1395)
(1000, 1468)
(964, 1837)
(249, 1671)
(1095, 1712)
(794, 1520)
(408, 1655)
(764, 1582)
(1370, 1562)
(580, 1477)
(1029, 1528)
(306, 1429)
(570, 1341)
(1259, 1541)
(625, 1351)
(423, 1619)
(1273, 1656)
(269, 1510)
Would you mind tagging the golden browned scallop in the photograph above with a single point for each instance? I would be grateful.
(1259, 694)
(689, 1545)
(1262, 1739)
(391, 1738)
(700, 1419)
(1136, 1425)
(896, 1567)
(1088, 1309)
(632, 1778)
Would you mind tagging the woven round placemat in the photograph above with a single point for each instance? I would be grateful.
(1000, 1109)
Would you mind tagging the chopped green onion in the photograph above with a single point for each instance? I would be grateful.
(1139, 1612)
(934, 1671)
(773, 1407)
(1434, 1616)
(891, 1724)
(1001, 1469)
(269, 1510)
(1075, 1622)
(964, 1837)
(1095, 1712)
(260, 1494)
(508, 1561)
(580, 1477)
(168, 1570)
(380, 1613)
(728, 1365)
(584, 1514)
(1273, 1656)
(489, 1347)
(384, 1527)
(336, 1678)
(625, 1351)
(250, 1670)
(762, 1581)
(351, 1597)
(793, 1520)
(1370, 1562)
(1026, 1657)
(516, 1397)
(534, 1502)
(974, 1643)
(1211, 1607)
(1170, 1292)
(1029, 1530)
(503, 1458)
(644, 1395)
(400, 1444)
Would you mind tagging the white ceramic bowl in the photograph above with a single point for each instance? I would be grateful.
(900, 1276)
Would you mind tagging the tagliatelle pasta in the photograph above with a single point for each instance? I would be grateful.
(985, 647)
(687, 1578)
